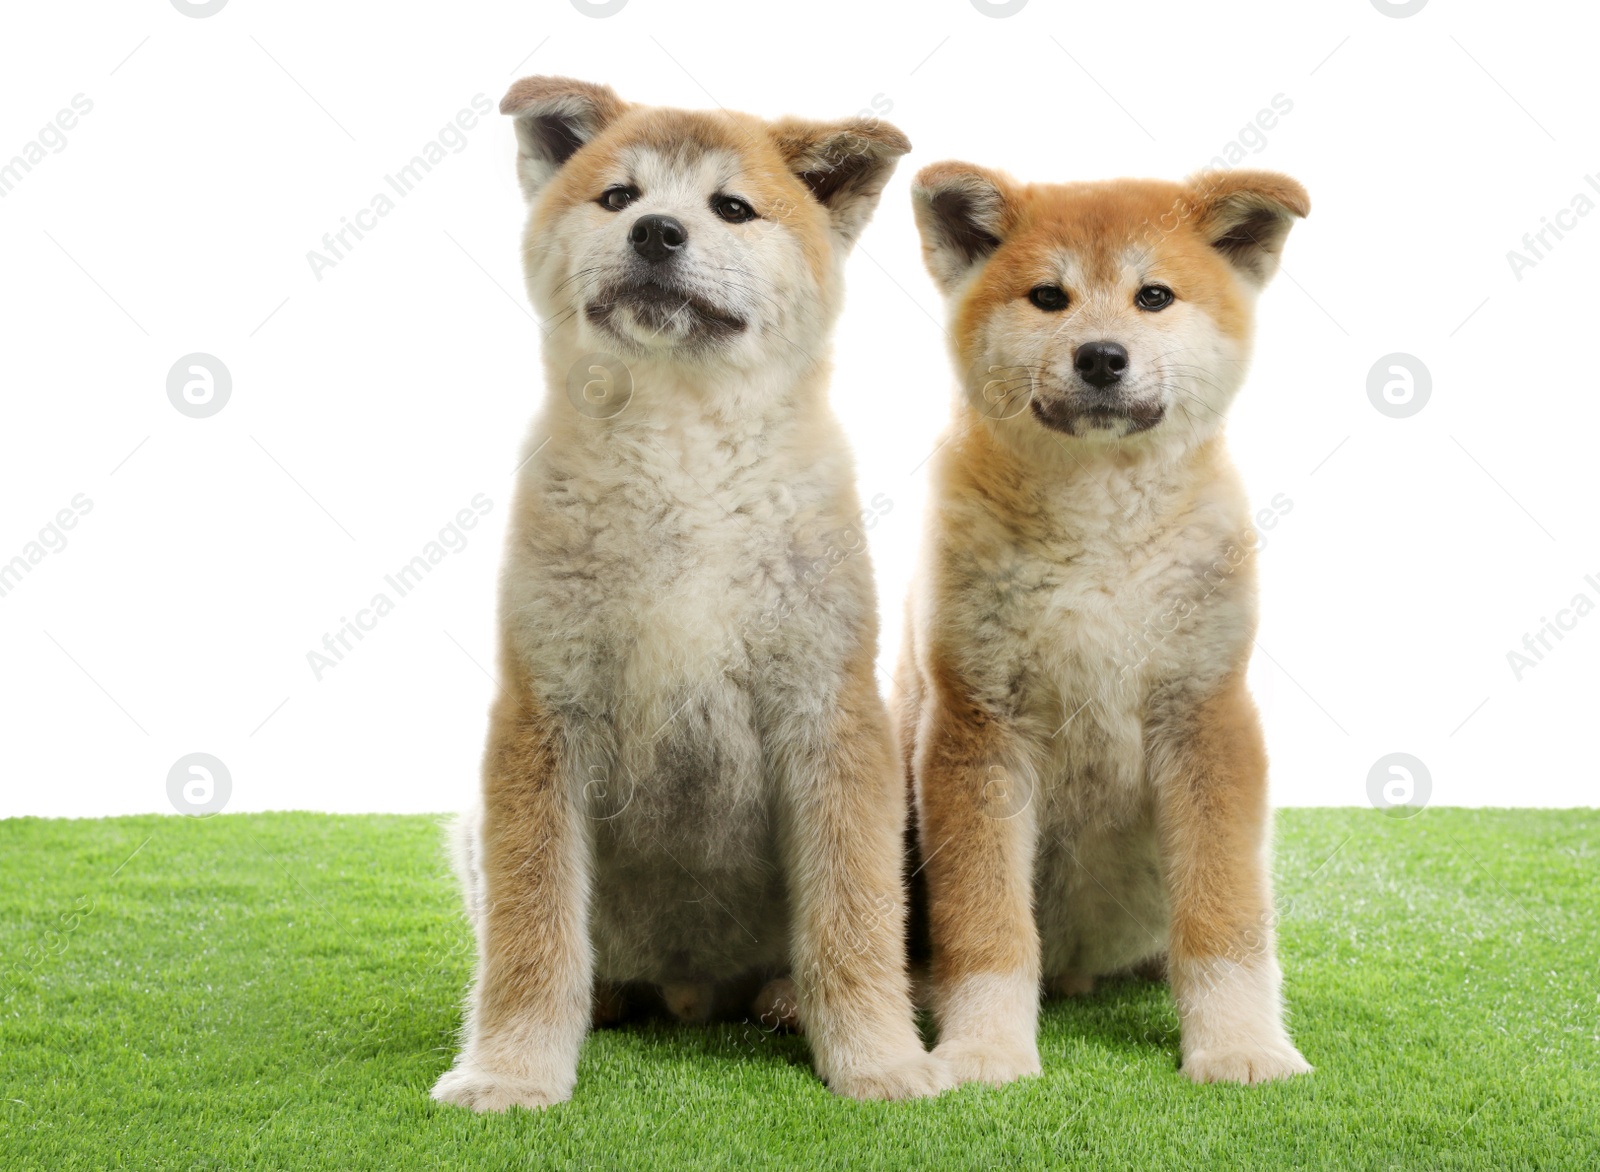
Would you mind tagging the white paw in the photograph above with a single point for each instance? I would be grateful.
(1246, 1064)
(972, 1060)
(481, 1090)
(917, 1076)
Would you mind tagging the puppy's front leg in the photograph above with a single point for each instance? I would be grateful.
(978, 830)
(1211, 775)
(531, 1000)
(842, 839)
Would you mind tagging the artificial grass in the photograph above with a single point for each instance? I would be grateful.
(281, 990)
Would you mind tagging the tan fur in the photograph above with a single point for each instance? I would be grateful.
(534, 989)
(979, 874)
(1091, 787)
(1213, 823)
(690, 780)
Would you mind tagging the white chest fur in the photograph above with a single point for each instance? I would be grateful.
(669, 593)
(1079, 620)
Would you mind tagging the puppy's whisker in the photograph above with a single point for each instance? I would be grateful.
(575, 276)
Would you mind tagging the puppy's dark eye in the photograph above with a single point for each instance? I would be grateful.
(616, 198)
(1153, 297)
(732, 209)
(1050, 298)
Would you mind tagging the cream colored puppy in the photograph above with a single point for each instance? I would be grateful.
(1088, 766)
(690, 779)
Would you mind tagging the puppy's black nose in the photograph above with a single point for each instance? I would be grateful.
(657, 237)
(1101, 363)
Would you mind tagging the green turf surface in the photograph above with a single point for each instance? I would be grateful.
(280, 991)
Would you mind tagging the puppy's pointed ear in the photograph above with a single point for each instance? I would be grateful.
(963, 213)
(554, 117)
(843, 164)
(1246, 216)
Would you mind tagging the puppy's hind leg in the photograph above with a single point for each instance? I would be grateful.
(843, 818)
(530, 1004)
(777, 1006)
(692, 1003)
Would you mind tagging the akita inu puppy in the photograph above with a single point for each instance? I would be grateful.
(690, 779)
(1087, 764)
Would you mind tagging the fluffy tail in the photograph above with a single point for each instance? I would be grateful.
(465, 860)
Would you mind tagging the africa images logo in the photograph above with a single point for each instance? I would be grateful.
(451, 140)
(1538, 643)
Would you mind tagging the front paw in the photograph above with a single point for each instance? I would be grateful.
(482, 1090)
(995, 1063)
(917, 1076)
(1248, 1065)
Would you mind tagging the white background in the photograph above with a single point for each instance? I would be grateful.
(370, 406)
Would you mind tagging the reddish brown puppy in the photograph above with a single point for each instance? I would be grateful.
(1088, 768)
